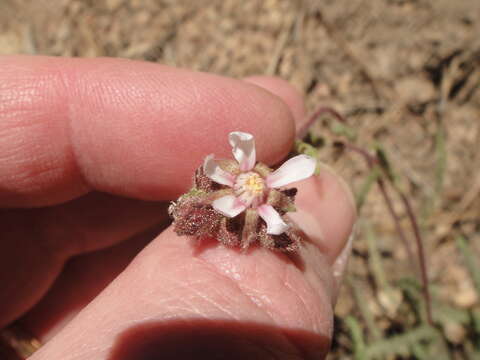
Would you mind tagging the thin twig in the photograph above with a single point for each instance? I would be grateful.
(315, 115)
(418, 239)
(372, 162)
(396, 218)
(369, 158)
(421, 255)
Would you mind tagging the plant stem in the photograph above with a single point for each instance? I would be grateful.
(421, 255)
(371, 160)
(315, 115)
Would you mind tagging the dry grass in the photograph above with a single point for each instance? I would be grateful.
(405, 74)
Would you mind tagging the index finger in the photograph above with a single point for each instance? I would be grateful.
(136, 129)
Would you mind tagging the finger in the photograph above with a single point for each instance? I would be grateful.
(36, 243)
(95, 221)
(173, 286)
(285, 91)
(81, 280)
(326, 212)
(130, 128)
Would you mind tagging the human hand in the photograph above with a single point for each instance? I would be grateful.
(89, 152)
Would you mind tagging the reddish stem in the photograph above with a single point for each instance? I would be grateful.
(421, 254)
(315, 115)
(372, 161)
(396, 220)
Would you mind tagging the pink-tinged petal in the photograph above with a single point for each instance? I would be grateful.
(216, 173)
(275, 224)
(243, 145)
(228, 206)
(297, 168)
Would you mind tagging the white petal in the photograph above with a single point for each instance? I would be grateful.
(275, 224)
(243, 145)
(216, 173)
(229, 206)
(297, 168)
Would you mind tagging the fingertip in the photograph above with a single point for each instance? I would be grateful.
(326, 211)
(286, 92)
(128, 128)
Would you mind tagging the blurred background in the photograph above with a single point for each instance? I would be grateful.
(405, 77)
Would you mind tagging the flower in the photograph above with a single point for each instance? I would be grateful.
(251, 187)
(241, 201)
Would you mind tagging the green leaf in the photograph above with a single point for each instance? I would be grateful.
(344, 130)
(357, 338)
(471, 261)
(385, 164)
(367, 185)
(405, 344)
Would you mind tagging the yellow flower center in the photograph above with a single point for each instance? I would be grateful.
(250, 188)
(255, 184)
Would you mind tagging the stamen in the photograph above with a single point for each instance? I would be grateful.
(250, 187)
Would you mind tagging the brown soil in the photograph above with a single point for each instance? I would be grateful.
(405, 74)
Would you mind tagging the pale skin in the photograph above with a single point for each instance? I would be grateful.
(90, 151)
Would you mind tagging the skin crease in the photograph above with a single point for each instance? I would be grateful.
(76, 111)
